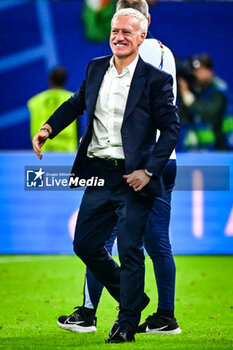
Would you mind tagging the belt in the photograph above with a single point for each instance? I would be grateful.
(110, 161)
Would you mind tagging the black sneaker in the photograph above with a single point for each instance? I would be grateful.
(76, 322)
(158, 324)
(144, 303)
(121, 336)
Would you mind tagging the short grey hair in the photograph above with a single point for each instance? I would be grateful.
(139, 5)
(133, 13)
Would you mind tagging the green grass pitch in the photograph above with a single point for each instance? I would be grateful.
(35, 290)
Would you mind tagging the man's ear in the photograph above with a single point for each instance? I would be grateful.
(149, 20)
(142, 37)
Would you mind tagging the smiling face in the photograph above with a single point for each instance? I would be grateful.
(126, 37)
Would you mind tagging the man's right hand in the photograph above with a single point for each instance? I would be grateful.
(39, 140)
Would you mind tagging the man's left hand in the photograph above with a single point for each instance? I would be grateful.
(137, 179)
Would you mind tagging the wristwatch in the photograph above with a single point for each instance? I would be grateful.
(148, 173)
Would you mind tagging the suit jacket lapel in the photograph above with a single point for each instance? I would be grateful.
(136, 87)
(95, 85)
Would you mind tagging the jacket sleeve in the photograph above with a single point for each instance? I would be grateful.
(165, 118)
(68, 111)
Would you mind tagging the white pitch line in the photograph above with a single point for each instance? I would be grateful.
(28, 258)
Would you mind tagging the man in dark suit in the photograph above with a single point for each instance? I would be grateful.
(126, 100)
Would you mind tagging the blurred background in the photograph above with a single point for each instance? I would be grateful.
(38, 36)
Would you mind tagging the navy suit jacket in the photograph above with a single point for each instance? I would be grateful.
(149, 107)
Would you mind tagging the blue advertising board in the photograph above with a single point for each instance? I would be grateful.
(43, 221)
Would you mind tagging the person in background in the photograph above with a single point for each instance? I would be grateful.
(156, 239)
(204, 107)
(42, 105)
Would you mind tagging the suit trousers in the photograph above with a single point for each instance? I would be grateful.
(157, 244)
(116, 203)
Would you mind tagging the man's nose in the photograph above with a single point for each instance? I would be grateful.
(120, 36)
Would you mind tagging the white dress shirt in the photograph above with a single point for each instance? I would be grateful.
(109, 112)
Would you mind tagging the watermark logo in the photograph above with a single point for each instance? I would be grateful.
(34, 178)
(53, 178)
(189, 178)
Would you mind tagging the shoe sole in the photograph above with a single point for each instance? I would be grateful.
(119, 342)
(76, 328)
(111, 341)
(154, 331)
